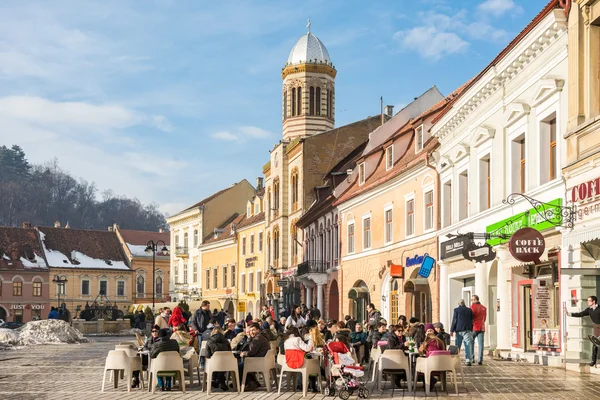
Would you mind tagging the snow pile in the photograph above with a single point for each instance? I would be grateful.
(49, 331)
(130, 332)
(8, 336)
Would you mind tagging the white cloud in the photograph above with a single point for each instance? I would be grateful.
(242, 133)
(162, 123)
(498, 7)
(431, 43)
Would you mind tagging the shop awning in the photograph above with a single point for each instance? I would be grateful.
(358, 292)
(576, 238)
(415, 284)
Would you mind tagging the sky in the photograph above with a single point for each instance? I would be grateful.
(172, 100)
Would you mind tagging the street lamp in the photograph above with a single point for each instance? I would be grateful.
(60, 282)
(152, 246)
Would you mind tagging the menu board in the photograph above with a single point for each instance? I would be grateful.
(542, 305)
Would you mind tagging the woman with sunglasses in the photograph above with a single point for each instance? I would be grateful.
(149, 342)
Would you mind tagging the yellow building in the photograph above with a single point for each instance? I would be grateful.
(219, 266)
(94, 265)
(251, 259)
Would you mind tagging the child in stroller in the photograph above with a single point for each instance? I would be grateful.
(343, 373)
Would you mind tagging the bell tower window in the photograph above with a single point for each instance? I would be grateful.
(299, 101)
(318, 101)
(311, 107)
(293, 102)
(329, 103)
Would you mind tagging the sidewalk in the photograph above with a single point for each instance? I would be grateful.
(75, 372)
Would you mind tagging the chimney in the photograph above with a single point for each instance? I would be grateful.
(259, 182)
(110, 228)
(115, 227)
(57, 224)
(160, 230)
(389, 111)
(67, 226)
(26, 225)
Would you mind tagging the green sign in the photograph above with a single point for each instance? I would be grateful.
(530, 218)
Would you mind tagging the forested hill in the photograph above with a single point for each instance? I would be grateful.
(43, 194)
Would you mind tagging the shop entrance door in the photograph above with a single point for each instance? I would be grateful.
(466, 295)
(526, 309)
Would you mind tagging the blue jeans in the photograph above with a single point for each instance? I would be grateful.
(467, 337)
(479, 336)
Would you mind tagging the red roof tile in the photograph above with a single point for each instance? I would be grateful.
(143, 237)
(20, 249)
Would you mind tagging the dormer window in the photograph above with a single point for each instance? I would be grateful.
(389, 157)
(361, 173)
(419, 139)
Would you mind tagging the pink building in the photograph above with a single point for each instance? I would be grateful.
(24, 276)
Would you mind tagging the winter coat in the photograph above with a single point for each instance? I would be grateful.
(217, 342)
(351, 324)
(395, 342)
(259, 345)
(177, 317)
(462, 320)
(239, 341)
(53, 315)
(358, 337)
(264, 314)
(300, 322)
(161, 322)
(479, 315)
(162, 345)
(230, 335)
(327, 336)
(200, 320)
(376, 338)
(445, 337)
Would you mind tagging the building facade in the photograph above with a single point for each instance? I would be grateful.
(187, 230)
(24, 276)
(501, 148)
(580, 273)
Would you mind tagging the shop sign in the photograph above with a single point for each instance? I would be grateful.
(475, 253)
(412, 261)
(527, 219)
(586, 194)
(396, 271)
(27, 307)
(453, 247)
(527, 245)
(289, 272)
(282, 283)
(250, 261)
(426, 266)
(241, 307)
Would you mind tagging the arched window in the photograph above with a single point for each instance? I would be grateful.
(293, 102)
(328, 245)
(269, 202)
(159, 286)
(329, 103)
(276, 247)
(299, 101)
(294, 239)
(285, 95)
(336, 246)
(140, 285)
(269, 250)
(313, 248)
(294, 189)
(311, 107)
(318, 101)
(276, 196)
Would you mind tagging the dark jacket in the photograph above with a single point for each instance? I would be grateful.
(376, 337)
(162, 345)
(351, 324)
(229, 335)
(216, 342)
(358, 337)
(374, 317)
(326, 334)
(395, 342)
(594, 314)
(462, 320)
(445, 337)
(206, 333)
(150, 342)
(259, 345)
(200, 320)
(315, 313)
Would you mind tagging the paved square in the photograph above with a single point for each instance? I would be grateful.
(75, 372)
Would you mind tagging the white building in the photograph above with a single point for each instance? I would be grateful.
(504, 135)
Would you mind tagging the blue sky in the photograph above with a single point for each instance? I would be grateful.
(169, 101)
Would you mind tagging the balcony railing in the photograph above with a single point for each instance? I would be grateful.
(312, 267)
(181, 251)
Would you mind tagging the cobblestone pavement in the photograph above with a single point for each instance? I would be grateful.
(75, 372)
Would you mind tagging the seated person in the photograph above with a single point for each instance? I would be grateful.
(217, 342)
(443, 335)
(295, 348)
(182, 335)
(431, 343)
(258, 346)
(327, 336)
(396, 340)
(163, 344)
(379, 334)
(358, 338)
(230, 333)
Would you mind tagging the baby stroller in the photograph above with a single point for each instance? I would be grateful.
(343, 376)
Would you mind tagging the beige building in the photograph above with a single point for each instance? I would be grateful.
(189, 227)
(389, 215)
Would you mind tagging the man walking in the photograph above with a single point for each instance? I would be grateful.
(462, 324)
(479, 316)
(594, 312)
(201, 318)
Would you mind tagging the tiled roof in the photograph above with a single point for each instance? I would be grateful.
(143, 237)
(545, 11)
(226, 227)
(20, 249)
(252, 220)
(212, 196)
(78, 248)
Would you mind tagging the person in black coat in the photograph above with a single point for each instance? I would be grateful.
(593, 311)
(201, 317)
(217, 342)
(462, 324)
(140, 320)
(258, 347)
(163, 344)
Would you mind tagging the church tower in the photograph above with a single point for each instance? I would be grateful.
(308, 96)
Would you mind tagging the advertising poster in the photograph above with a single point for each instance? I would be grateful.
(544, 329)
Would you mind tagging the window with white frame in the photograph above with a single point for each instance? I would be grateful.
(463, 195)
(258, 279)
(366, 233)
(389, 157)
(250, 282)
(518, 164)
(548, 154)
(195, 237)
(447, 203)
(185, 274)
(233, 276)
(215, 278)
(260, 242)
(361, 173)
(195, 273)
(252, 244)
(389, 225)
(244, 246)
(85, 287)
(176, 273)
(428, 210)
(120, 288)
(410, 217)
(419, 139)
(485, 183)
(243, 283)
(351, 238)
(225, 277)
(103, 287)
(207, 284)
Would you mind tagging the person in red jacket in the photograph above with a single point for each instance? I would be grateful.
(479, 315)
(177, 317)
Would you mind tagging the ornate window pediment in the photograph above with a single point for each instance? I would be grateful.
(514, 112)
(481, 134)
(546, 88)
(459, 152)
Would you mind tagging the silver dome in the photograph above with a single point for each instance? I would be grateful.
(308, 49)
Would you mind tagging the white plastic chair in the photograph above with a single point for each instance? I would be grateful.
(264, 365)
(374, 357)
(166, 362)
(310, 366)
(118, 360)
(435, 363)
(221, 361)
(394, 360)
(458, 366)
(193, 363)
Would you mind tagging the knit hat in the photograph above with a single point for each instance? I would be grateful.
(429, 326)
(438, 325)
